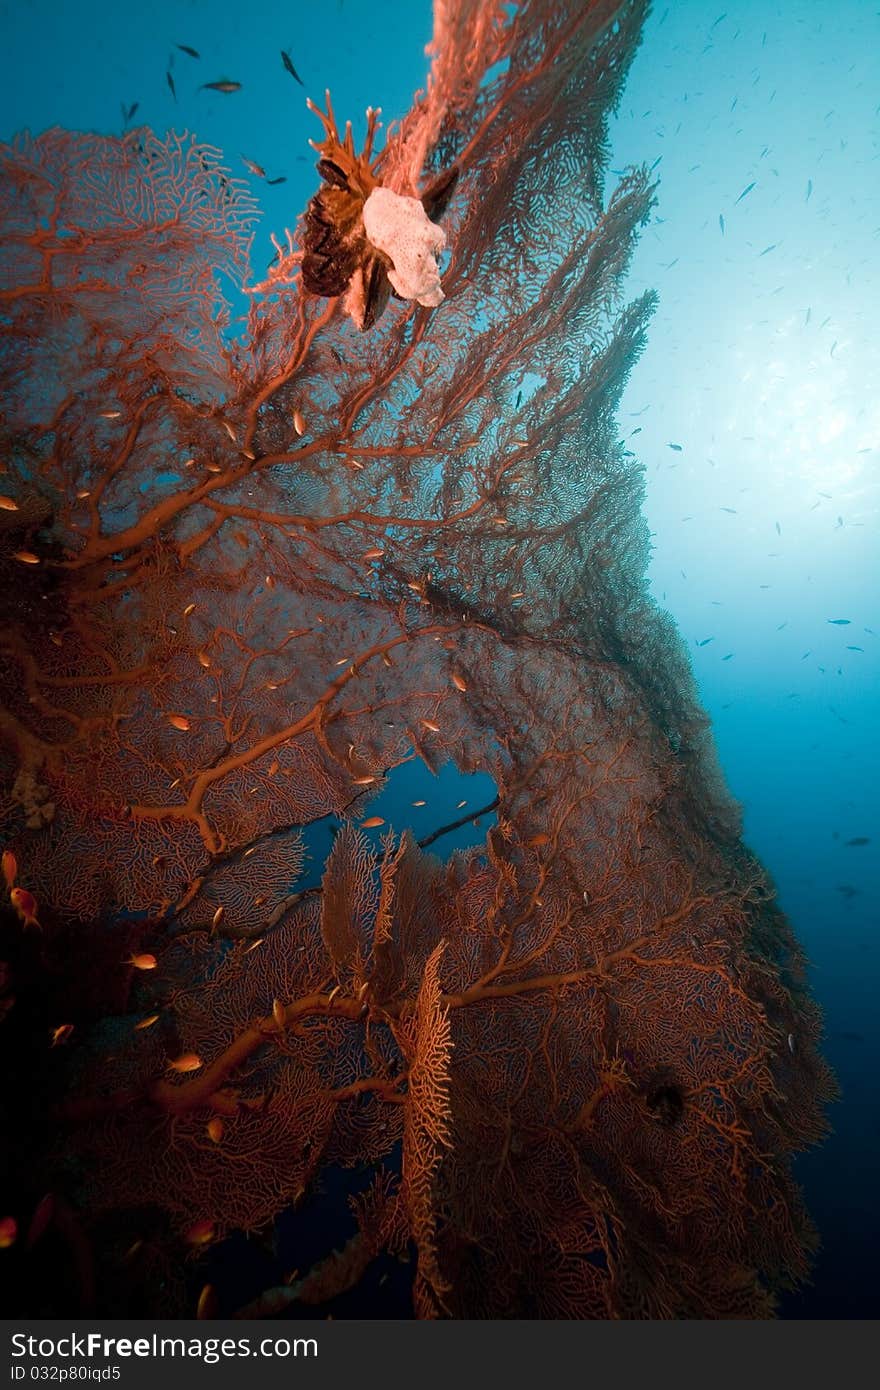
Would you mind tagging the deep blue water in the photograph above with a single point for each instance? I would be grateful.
(762, 366)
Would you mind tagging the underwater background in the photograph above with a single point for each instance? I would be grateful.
(753, 409)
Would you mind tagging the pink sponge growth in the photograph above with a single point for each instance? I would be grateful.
(401, 228)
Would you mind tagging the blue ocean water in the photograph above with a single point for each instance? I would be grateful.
(753, 409)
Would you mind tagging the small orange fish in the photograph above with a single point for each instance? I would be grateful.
(82, 494)
(8, 504)
(215, 1129)
(420, 803)
(279, 1014)
(200, 1233)
(207, 1305)
(299, 422)
(203, 659)
(218, 917)
(190, 607)
(10, 867)
(186, 1062)
(375, 554)
(27, 557)
(371, 822)
(110, 414)
(363, 781)
(25, 905)
(429, 724)
(142, 962)
(8, 1232)
(541, 839)
(253, 945)
(178, 721)
(147, 1022)
(61, 1034)
(458, 682)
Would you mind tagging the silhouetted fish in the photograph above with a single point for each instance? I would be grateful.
(809, 190)
(705, 642)
(170, 80)
(223, 86)
(185, 48)
(285, 58)
(839, 622)
(858, 840)
(748, 188)
(676, 447)
(721, 222)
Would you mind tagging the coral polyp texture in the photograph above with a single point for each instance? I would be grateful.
(561, 1074)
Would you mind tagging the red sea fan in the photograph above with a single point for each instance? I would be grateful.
(578, 1058)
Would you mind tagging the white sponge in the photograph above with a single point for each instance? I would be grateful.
(402, 229)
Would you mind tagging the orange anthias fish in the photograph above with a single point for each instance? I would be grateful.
(200, 1233)
(10, 868)
(25, 905)
(190, 1061)
(145, 961)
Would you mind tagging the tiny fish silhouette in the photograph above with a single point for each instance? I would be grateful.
(858, 840)
(748, 188)
(721, 222)
(727, 658)
(839, 622)
(732, 510)
(223, 86)
(283, 179)
(185, 48)
(855, 649)
(809, 190)
(778, 529)
(170, 80)
(676, 447)
(705, 642)
(285, 58)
